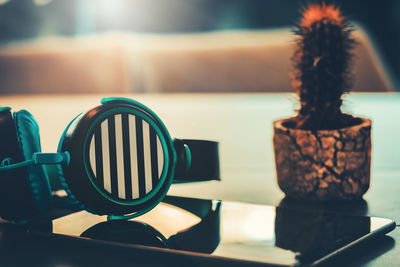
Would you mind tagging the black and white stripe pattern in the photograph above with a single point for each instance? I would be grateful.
(126, 156)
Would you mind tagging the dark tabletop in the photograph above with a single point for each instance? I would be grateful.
(242, 123)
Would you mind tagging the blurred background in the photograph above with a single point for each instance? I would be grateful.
(141, 46)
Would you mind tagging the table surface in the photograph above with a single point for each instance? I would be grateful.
(242, 123)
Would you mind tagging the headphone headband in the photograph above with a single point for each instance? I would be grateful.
(206, 233)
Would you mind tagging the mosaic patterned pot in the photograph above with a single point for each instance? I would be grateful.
(323, 165)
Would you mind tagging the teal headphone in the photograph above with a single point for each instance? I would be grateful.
(116, 159)
(201, 237)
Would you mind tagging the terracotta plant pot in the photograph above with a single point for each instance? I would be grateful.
(325, 164)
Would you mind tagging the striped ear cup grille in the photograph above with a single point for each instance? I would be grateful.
(126, 156)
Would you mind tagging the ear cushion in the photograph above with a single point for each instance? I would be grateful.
(75, 202)
(16, 200)
(29, 142)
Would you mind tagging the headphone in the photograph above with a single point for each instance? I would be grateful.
(202, 237)
(116, 159)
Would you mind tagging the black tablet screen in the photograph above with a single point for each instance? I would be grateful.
(235, 230)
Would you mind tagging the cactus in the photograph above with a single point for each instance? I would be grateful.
(322, 63)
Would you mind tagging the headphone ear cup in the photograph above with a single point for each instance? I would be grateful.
(11, 182)
(35, 178)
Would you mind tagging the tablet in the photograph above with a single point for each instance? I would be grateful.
(231, 231)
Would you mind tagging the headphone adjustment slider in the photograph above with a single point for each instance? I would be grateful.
(51, 158)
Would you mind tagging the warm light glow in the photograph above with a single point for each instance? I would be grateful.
(259, 226)
(256, 225)
(42, 2)
(2, 2)
(110, 9)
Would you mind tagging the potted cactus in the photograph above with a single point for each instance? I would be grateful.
(322, 153)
